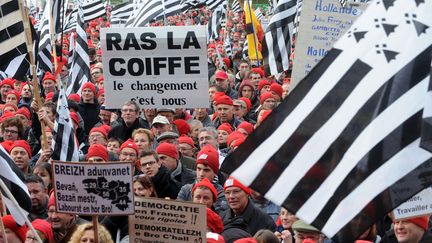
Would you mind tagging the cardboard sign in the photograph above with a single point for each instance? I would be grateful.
(419, 204)
(89, 189)
(158, 67)
(322, 22)
(164, 221)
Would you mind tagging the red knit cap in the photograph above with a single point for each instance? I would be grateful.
(49, 76)
(214, 222)
(101, 78)
(210, 157)
(100, 92)
(24, 111)
(186, 139)
(217, 95)
(14, 92)
(265, 95)
(44, 227)
(99, 130)
(237, 142)
(259, 71)
(247, 101)
(97, 150)
(74, 97)
(263, 83)
(49, 96)
(9, 105)
(225, 127)
(23, 144)
(6, 115)
(74, 117)
(89, 85)
(234, 136)
(214, 238)
(231, 182)
(277, 89)
(168, 149)
(8, 81)
(129, 144)
(206, 183)
(220, 74)
(10, 223)
(7, 145)
(248, 127)
(224, 100)
(422, 222)
(182, 126)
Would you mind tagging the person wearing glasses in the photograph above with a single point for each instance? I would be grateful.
(43, 229)
(12, 129)
(130, 120)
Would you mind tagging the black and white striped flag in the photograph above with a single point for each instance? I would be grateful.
(214, 25)
(13, 177)
(70, 21)
(64, 143)
(338, 149)
(194, 3)
(93, 9)
(297, 16)
(13, 47)
(235, 7)
(122, 11)
(44, 51)
(228, 47)
(57, 14)
(245, 50)
(214, 4)
(259, 14)
(276, 46)
(146, 12)
(81, 61)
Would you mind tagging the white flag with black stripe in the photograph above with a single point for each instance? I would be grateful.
(93, 9)
(214, 4)
(235, 6)
(297, 16)
(349, 134)
(146, 12)
(259, 14)
(13, 177)
(276, 46)
(245, 50)
(80, 69)
(44, 51)
(228, 47)
(215, 24)
(64, 143)
(13, 47)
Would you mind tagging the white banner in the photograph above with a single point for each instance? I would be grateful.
(155, 66)
(418, 205)
(97, 188)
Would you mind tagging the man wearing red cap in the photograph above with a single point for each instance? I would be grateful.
(169, 157)
(5, 86)
(14, 232)
(129, 151)
(49, 83)
(225, 110)
(89, 107)
(222, 80)
(97, 153)
(412, 230)
(207, 167)
(21, 154)
(240, 205)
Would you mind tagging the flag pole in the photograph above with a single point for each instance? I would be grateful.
(3, 232)
(254, 34)
(19, 209)
(95, 226)
(35, 83)
(53, 46)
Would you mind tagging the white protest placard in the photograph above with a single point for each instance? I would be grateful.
(420, 204)
(322, 23)
(165, 221)
(93, 188)
(155, 66)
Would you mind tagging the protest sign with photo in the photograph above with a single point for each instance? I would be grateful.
(322, 23)
(155, 66)
(89, 189)
(164, 221)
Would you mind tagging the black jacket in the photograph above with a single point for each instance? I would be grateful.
(89, 114)
(123, 132)
(164, 185)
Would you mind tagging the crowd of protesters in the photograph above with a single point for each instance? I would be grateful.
(177, 152)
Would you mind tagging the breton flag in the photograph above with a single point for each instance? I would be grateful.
(93, 9)
(215, 24)
(245, 50)
(146, 12)
(297, 17)
(278, 36)
(81, 61)
(214, 4)
(342, 145)
(64, 144)
(228, 48)
(70, 58)
(254, 33)
(13, 177)
(235, 7)
(70, 21)
(13, 47)
(57, 14)
(259, 15)
(44, 51)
